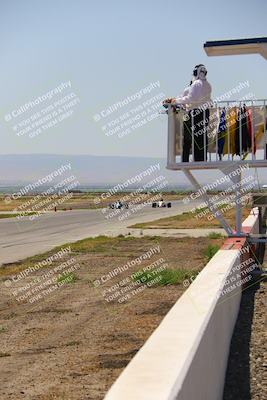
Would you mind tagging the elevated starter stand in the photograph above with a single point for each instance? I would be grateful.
(255, 157)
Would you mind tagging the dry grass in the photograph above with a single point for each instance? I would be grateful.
(83, 339)
(193, 220)
(82, 201)
(3, 216)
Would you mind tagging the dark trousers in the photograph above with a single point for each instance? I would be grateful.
(196, 126)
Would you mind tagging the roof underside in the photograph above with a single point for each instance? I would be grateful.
(237, 46)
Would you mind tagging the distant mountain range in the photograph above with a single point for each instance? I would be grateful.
(92, 171)
(89, 170)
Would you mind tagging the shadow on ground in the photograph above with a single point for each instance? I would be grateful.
(238, 374)
(237, 382)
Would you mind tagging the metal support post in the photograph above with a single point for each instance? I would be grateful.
(215, 211)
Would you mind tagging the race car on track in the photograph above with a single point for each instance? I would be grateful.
(118, 205)
(161, 204)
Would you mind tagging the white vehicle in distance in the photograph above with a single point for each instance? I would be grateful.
(118, 205)
(161, 204)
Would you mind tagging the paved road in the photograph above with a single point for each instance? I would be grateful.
(25, 238)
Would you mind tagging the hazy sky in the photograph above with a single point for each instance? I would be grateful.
(110, 50)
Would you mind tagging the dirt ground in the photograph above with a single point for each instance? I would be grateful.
(246, 377)
(193, 220)
(72, 343)
(90, 200)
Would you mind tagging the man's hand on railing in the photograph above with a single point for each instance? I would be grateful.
(169, 100)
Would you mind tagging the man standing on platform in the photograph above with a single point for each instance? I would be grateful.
(196, 100)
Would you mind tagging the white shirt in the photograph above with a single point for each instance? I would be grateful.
(196, 95)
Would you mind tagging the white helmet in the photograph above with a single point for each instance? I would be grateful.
(200, 72)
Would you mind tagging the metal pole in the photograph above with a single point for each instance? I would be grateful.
(171, 136)
(204, 133)
(216, 137)
(240, 132)
(217, 214)
(238, 205)
(192, 133)
(253, 132)
(264, 129)
(228, 129)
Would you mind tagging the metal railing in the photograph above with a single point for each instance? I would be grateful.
(220, 132)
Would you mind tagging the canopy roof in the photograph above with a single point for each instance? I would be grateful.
(237, 47)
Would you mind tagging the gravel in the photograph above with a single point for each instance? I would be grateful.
(246, 377)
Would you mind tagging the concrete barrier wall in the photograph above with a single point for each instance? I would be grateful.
(251, 223)
(186, 356)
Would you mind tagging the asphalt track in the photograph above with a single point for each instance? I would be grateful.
(24, 238)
